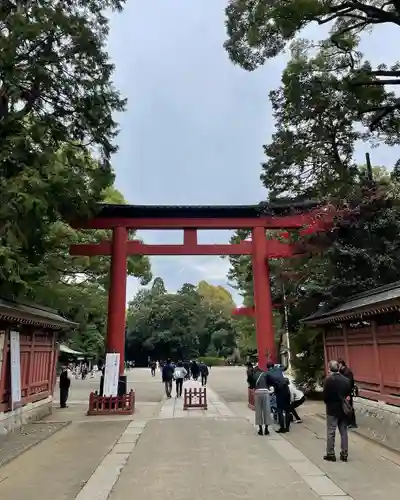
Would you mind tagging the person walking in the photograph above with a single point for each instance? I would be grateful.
(194, 369)
(167, 377)
(276, 379)
(179, 375)
(186, 366)
(65, 384)
(346, 372)
(204, 372)
(249, 373)
(262, 404)
(297, 398)
(153, 366)
(336, 394)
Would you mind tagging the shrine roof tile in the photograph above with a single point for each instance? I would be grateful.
(375, 301)
(283, 207)
(32, 314)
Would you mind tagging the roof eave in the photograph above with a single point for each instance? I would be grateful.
(355, 314)
(30, 319)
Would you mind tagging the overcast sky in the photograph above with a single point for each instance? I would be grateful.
(195, 123)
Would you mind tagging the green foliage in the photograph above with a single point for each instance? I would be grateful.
(212, 360)
(320, 113)
(309, 358)
(57, 132)
(57, 103)
(190, 323)
(318, 120)
(260, 30)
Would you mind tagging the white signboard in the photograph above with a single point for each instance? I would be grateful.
(111, 374)
(15, 358)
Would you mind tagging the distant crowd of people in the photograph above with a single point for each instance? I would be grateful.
(276, 398)
(178, 372)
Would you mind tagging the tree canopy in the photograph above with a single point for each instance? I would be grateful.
(57, 136)
(193, 322)
(321, 110)
(57, 127)
(259, 30)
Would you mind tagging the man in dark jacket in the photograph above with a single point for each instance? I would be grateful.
(195, 370)
(276, 379)
(249, 374)
(167, 377)
(336, 391)
(346, 372)
(65, 383)
(204, 372)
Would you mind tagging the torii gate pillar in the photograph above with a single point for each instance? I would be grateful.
(117, 296)
(262, 299)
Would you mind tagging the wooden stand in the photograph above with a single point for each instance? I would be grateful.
(111, 405)
(195, 398)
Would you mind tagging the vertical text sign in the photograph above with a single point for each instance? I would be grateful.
(15, 358)
(111, 374)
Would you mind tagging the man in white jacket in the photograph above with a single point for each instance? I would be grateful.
(297, 398)
(179, 374)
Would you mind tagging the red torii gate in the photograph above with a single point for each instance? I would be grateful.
(307, 217)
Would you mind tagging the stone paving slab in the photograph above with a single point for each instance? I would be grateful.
(205, 459)
(58, 468)
(367, 476)
(105, 476)
(21, 440)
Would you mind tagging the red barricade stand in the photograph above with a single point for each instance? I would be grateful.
(111, 405)
(195, 398)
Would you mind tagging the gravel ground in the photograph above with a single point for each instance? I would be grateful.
(19, 441)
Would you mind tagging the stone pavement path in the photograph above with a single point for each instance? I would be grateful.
(57, 468)
(165, 451)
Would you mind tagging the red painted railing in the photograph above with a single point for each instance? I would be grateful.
(114, 405)
(195, 398)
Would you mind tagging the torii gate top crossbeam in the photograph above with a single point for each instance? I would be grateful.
(271, 216)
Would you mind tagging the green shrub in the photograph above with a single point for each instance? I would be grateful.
(212, 361)
(308, 361)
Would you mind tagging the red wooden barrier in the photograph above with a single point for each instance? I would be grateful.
(111, 405)
(372, 352)
(195, 398)
(251, 404)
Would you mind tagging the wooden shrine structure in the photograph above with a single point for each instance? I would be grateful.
(365, 332)
(38, 328)
(304, 217)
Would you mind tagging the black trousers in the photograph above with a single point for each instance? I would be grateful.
(168, 387)
(63, 396)
(153, 372)
(179, 385)
(295, 405)
(352, 419)
(204, 379)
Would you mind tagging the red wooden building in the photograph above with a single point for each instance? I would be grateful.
(365, 332)
(37, 327)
